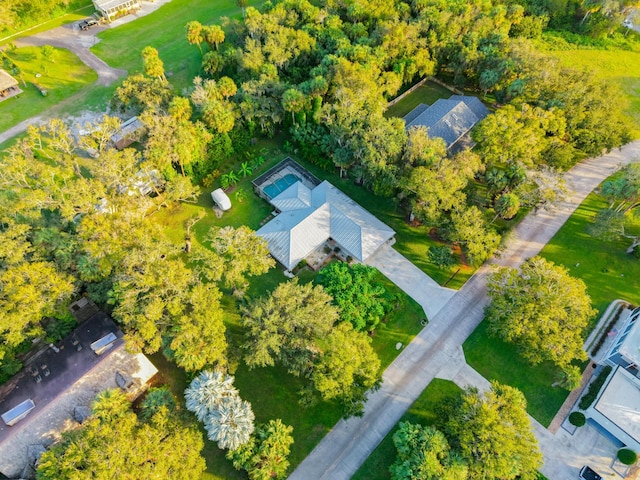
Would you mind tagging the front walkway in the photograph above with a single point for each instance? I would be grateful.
(410, 279)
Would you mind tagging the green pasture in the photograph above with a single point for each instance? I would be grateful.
(63, 77)
(164, 30)
(425, 410)
(621, 67)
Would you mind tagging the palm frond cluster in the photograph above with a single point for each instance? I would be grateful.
(227, 418)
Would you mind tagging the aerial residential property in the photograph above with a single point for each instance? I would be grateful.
(276, 239)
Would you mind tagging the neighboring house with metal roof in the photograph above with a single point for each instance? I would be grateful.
(308, 217)
(111, 9)
(449, 119)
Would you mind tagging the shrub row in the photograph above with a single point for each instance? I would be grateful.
(594, 388)
(605, 332)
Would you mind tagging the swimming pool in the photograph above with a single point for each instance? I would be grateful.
(280, 185)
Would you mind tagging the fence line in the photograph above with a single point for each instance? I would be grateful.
(411, 90)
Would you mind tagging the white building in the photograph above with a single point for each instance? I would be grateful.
(308, 217)
(111, 9)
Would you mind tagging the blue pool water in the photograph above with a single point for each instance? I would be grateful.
(280, 185)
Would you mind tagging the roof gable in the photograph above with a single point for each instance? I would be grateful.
(448, 119)
(293, 234)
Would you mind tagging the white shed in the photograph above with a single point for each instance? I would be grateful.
(221, 199)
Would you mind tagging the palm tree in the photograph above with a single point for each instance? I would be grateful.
(207, 392)
(245, 169)
(231, 425)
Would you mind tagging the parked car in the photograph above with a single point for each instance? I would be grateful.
(87, 23)
(587, 473)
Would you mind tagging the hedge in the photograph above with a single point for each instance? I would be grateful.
(594, 388)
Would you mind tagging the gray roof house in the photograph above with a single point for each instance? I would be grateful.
(449, 119)
(308, 217)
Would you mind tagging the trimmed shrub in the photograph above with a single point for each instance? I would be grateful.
(627, 457)
(594, 388)
(577, 418)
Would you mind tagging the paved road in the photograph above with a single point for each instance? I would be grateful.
(437, 348)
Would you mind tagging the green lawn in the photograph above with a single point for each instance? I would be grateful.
(498, 360)
(621, 67)
(425, 411)
(62, 78)
(79, 9)
(427, 93)
(606, 270)
(165, 31)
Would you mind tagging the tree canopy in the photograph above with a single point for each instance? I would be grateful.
(296, 326)
(360, 298)
(492, 432)
(540, 308)
(114, 442)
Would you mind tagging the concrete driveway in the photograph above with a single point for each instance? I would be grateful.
(413, 281)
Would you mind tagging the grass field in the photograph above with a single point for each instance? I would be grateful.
(427, 93)
(81, 9)
(164, 30)
(620, 67)
(608, 272)
(497, 360)
(424, 411)
(605, 268)
(62, 78)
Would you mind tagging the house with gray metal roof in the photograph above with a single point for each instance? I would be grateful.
(307, 217)
(449, 119)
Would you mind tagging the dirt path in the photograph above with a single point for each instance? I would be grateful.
(436, 349)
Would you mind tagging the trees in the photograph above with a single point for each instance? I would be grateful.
(493, 434)
(347, 369)
(295, 326)
(213, 35)
(424, 454)
(286, 326)
(194, 34)
(264, 456)
(540, 308)
(470, 230)
(227, 418)
(115, 443)
(360, 299)
(623, 195)
(235, 254)
(153, 66)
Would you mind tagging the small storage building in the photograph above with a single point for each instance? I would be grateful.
(221, 199)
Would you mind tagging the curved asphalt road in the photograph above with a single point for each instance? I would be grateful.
(349, 443)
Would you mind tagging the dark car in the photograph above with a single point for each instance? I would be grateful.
(587, 473)
(87, 23)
